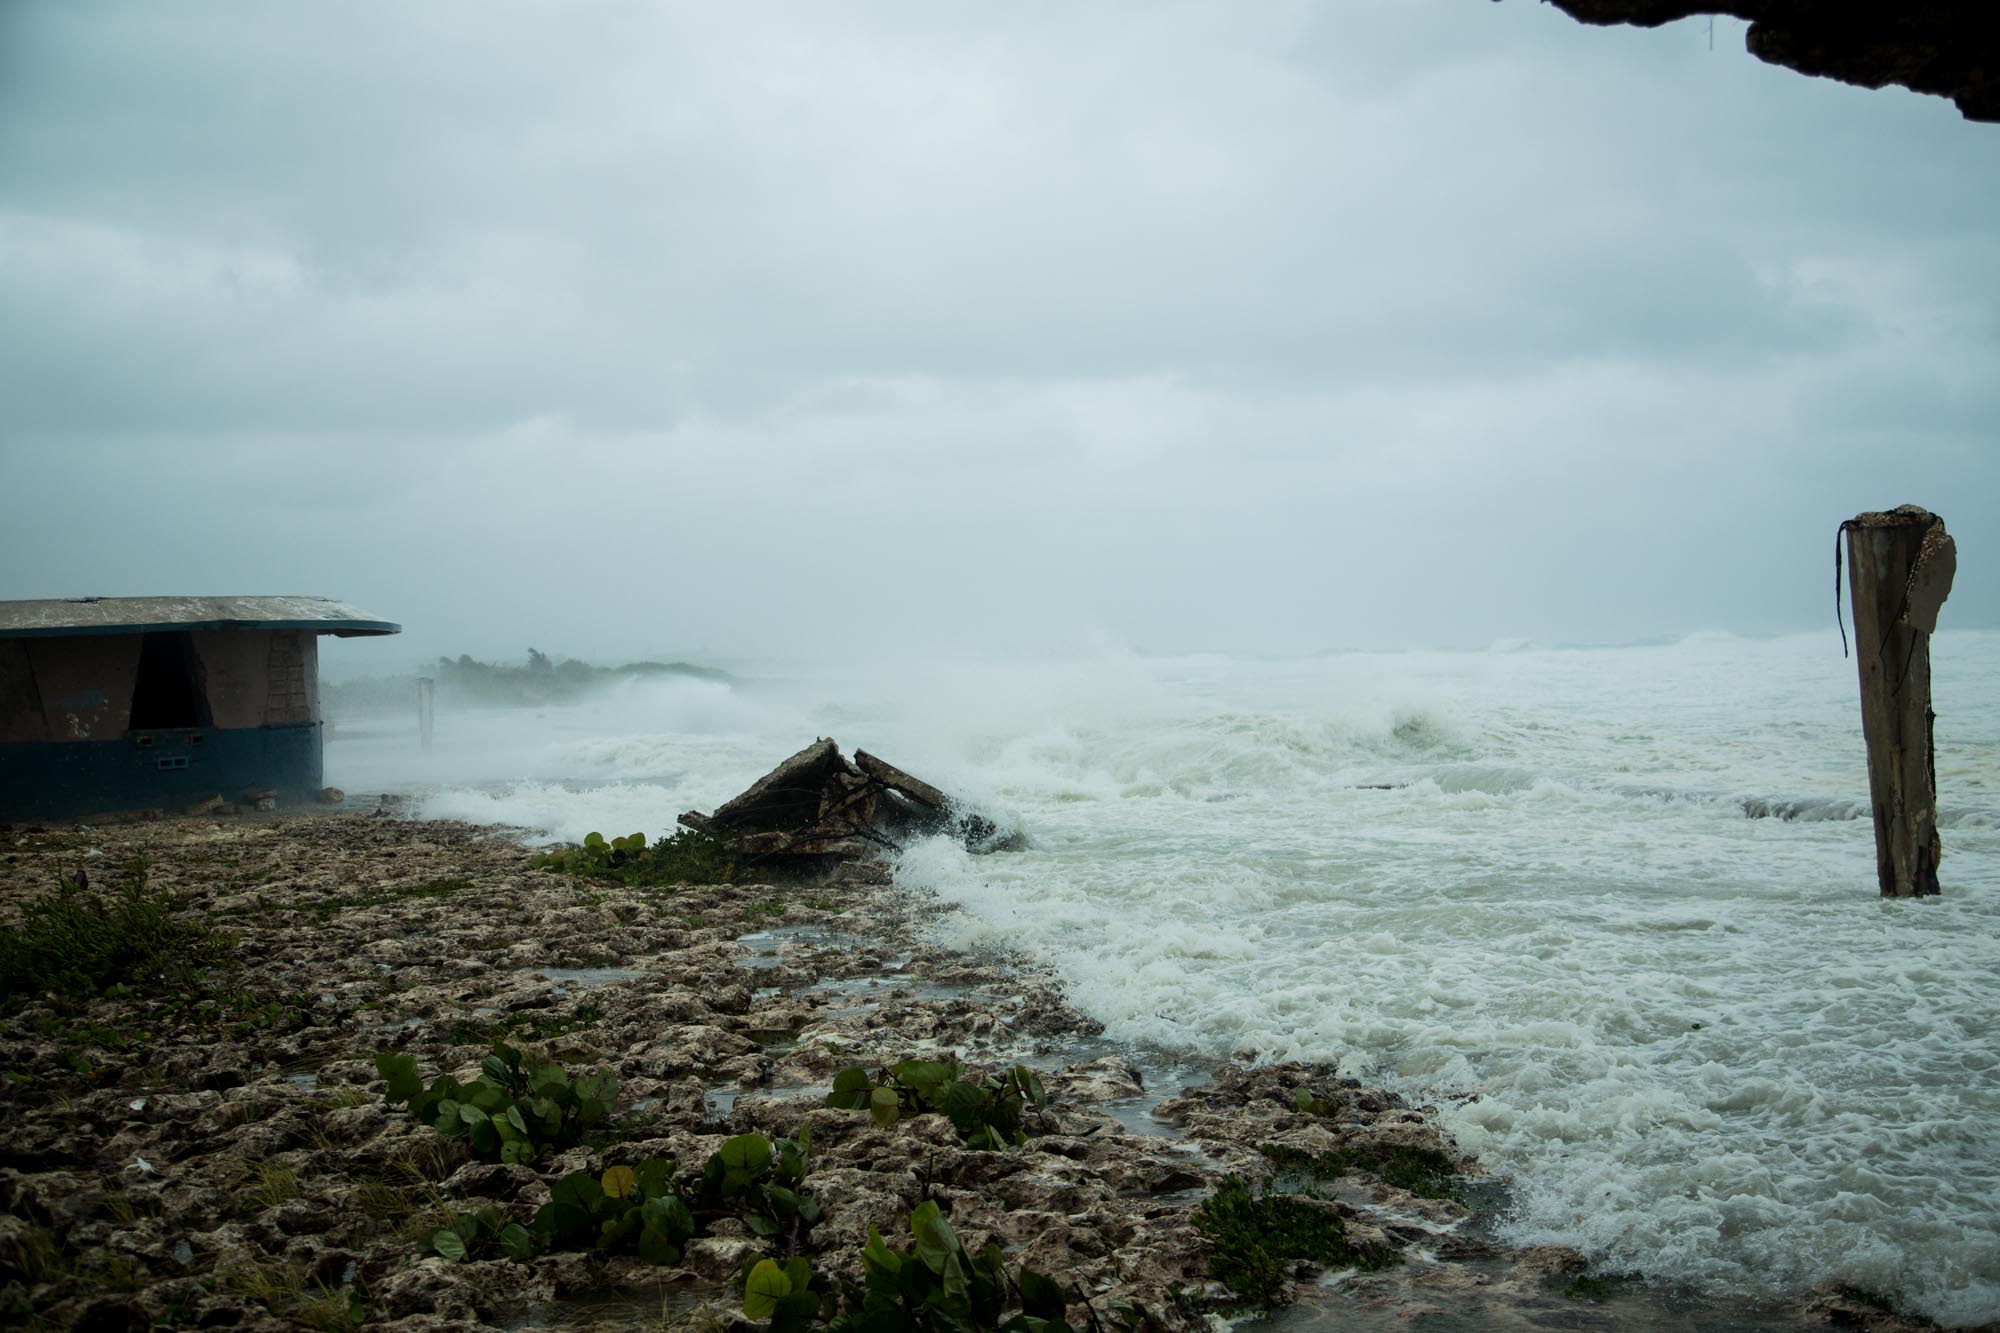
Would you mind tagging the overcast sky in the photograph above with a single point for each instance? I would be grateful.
(726, 330)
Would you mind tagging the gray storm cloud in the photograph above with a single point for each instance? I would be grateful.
(629, 327)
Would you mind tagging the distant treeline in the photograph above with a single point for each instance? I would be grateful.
(542, 680)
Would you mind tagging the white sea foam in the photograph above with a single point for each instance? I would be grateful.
(1696, 1042)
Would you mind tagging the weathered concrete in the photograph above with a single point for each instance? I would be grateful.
(897, 780)
(1900, 566)
(820, 806)
(787, 796)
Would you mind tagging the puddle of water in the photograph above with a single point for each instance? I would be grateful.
(1161, 1076)
(767, 947)
(306, 1079)
(627, 1309)
(1135, 1115)
(587, 977)
(780, 1094)
(775, 1041)
(868, 991)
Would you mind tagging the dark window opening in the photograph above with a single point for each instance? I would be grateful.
(168, 692)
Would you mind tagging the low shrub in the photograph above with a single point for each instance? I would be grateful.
(631, 1210)
(515, 1109)
(987, 1112)
(686, 857)
(644, 1210)
(1257, 1238)
(74, 940)
(1425, 1172)
(932, 1286)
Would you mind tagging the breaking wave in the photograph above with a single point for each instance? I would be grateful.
(1613, 909)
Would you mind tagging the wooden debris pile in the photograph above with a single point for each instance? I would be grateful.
(821, 806)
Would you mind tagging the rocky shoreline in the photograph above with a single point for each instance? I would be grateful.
(227, 1159)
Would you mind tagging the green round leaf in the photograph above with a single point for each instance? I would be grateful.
(655, 1175)
(746, 1154)
(937, 1243)
(400, 1070)
(579, 1188)
(1041, 1298)
(448, 1243)
(669, 1215)
(925, 1077)
(882, 1106)
(618, 1181)
(878, 1257)
(763, 1289)
(517, 1243)
(658, 1247)
(961, 1098)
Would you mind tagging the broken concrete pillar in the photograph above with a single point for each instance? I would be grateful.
(1900, 566)
(817, 804)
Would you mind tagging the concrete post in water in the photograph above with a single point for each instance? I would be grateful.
(425, 709)
(1900, 566)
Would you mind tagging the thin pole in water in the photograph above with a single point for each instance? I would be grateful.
(426, 709)
(1899, 569)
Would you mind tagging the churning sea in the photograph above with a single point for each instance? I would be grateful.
(1612, 910)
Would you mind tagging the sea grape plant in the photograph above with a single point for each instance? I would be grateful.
(753, 1178)
(647, 1211)
(687, 857)
(986, 1111)
(483, 1234)
(595, 857)
(932, 1286)
(516, 1108)
(627, 1209)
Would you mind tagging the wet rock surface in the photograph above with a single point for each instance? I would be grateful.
(224, 1158)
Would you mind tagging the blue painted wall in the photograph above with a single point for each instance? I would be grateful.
(157, 770)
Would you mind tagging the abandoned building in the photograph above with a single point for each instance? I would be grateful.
(159, 703)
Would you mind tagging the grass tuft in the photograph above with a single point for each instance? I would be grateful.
(78, 941)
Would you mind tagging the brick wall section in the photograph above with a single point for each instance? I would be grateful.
(288, 681)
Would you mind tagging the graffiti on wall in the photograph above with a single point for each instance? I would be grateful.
(83, 712)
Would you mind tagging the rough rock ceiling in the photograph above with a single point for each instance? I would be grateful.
(1947, 47)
